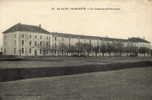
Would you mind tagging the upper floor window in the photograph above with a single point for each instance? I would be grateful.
(47, 43)
(41, 37)
(14, 35)
(36, 36)
(47, 37)
(22, 42)
(40, 43)
(35, 43)
(30, 43)
(5, 36)
(15, 42)
(30, 36)
(22, 35)
(40, 51)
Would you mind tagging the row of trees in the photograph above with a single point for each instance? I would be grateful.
(86, 49)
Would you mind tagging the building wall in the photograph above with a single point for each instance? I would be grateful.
(40, 44)
(10, 43)
(34, 44)
(26, 43)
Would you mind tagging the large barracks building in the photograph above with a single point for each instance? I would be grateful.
(30, 40)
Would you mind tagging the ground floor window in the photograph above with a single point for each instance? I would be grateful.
(40, 51)
(22, 50)
(4, 50)
(35, 52)
(46, 51)
(14, 50)
(30, 50)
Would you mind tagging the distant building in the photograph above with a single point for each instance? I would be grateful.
(30, 40)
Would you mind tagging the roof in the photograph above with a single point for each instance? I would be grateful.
(75, 35)
(38, 29)
(28, 28)
(87, 37)
(136, 39)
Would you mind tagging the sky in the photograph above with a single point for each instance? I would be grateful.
(132, 19)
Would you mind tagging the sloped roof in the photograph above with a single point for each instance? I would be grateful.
(135, 39)
(75, 35)
(38, 29)
(87, 37)
(28, 28)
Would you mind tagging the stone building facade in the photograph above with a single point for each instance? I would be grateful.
(30, 40)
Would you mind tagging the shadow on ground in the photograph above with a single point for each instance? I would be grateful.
(23, 73)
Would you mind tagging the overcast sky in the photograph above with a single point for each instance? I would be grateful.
(134, 19)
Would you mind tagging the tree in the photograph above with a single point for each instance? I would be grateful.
(63, 48)
(144, 50)
(96, 49)
(131, 50)
(87, 48)
(120, 48)
(44, 47)
(110, 48)
(103, 49)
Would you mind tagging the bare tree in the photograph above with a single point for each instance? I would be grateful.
(103, 48)
(63, 48)
(110, 48)
(144, 50)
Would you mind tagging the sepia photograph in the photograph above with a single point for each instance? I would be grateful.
(75, 50)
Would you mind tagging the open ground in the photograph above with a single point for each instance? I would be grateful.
(132, 83)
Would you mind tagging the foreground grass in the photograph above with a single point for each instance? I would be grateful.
(128, 84)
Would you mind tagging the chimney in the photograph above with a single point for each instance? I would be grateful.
(39, 25)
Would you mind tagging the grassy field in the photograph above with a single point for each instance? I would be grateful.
(125, 84)
(41, 62)
(128, 84)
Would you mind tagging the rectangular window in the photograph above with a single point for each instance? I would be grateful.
(22, 35)
(14, 35)
(22, 50)
(35, 43)
(30, 50)
(40, 43)
(40, 37)
(46, 51)
(40, 51)
(14, 50)
(47, 44)
(4, 50)
(30, 43)
(15, 42)
(22, 42)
